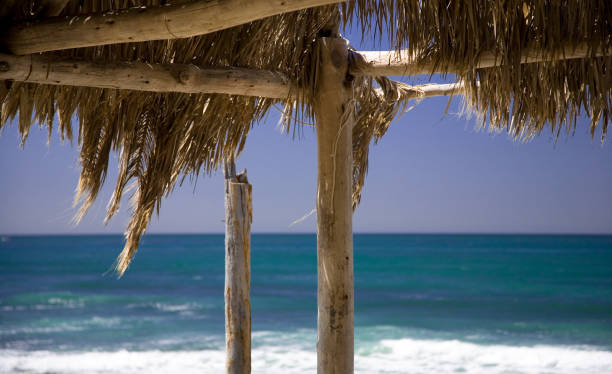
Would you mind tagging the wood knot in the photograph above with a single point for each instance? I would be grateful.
(4, 66)
(184, 76)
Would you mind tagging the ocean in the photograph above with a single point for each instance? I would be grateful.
(423, 304)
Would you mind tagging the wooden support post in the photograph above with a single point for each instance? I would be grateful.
(238, 218)
(333, 109)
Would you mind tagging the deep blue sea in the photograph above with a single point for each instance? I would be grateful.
(423, 304)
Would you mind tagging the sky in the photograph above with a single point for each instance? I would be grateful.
(432, 173)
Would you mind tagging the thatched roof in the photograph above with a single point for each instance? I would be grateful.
(164, 137)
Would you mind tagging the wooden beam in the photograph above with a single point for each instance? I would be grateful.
(167, 78)
(390, 63)
(238, 217)
(143, 24)
(334, 125)
(144, 77)
(433, 90)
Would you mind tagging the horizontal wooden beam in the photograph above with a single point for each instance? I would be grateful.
(144, 77)
(169, 78)
(432, 90)
(391, 63)
(143, 24)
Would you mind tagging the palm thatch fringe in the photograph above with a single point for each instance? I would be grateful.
(376, 109)
(163, 138)
(452, 36)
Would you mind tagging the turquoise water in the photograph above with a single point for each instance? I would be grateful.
(423, 303)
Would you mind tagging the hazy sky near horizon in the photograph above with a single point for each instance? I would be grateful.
(430, 173)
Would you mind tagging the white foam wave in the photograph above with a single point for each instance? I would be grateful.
(386, 356)
(10, 308)
(166, 307)
(51, 304)
(59, 327)
(174, 307)
(77, 325)
(452, 356)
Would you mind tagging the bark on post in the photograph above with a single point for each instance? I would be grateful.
(238, 218)
(334, 116)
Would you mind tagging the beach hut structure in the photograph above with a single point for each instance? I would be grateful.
(174, 87)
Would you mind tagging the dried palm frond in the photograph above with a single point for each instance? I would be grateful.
(376, 109)
(162, 138)
(521, 99)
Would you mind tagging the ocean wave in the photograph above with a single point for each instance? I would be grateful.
(59, 327)
(386, 356)
(47, 326)
(175, 307)
(453, 356)
(183, 309)
(54, 301)
(50, 306)
(11, 308)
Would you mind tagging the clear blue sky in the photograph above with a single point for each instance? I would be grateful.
(431, 173)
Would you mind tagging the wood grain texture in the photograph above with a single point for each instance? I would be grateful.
(144, 24)
(144, 77)
(390, 63)
(238, 217)
(333, 109)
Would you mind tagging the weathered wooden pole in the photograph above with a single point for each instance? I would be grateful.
(237, 270)
(142, 76)
(170, 21)
(333, 107)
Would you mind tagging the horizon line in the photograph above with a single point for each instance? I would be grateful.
(314, 233)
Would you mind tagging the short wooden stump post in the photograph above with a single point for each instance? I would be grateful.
(238, 217)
